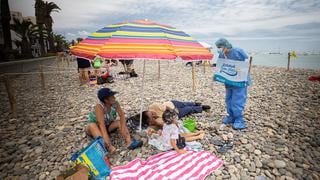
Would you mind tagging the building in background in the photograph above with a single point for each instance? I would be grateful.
(35, 45)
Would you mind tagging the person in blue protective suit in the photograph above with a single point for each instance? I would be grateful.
(235, 96)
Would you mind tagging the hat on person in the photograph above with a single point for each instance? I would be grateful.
(222, 42)
(105, 93)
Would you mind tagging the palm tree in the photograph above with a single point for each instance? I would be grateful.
(79, 39)
(24, 30)
(60, 42)
(5, 22)
(43, 12)
(49, 8)
(39, 11)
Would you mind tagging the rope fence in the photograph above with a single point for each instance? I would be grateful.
(6, 78)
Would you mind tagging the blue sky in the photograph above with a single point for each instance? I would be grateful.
(254, 25)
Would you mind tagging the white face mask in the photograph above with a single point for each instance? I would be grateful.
(220, 50)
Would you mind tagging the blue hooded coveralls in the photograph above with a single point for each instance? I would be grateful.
(235, 97)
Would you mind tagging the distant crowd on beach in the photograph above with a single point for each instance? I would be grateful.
(98, 71)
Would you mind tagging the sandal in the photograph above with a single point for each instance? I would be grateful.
(217, 142)
(135, 144)
(225, 148)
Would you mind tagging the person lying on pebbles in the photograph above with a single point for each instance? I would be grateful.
(153, 116)
(109, 116)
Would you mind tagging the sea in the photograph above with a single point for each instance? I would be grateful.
(281, 60)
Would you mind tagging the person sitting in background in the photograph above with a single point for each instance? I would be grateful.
(190, 63)
(96, 64)
(111, 62)
(107, 117)
(128, 68)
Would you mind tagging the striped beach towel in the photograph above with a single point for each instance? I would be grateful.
(169, 165)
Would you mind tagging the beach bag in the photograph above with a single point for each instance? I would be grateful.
(181, 142)
(93, 157)
(101, 80)
(190, 124)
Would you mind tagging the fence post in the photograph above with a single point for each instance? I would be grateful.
(68, 60)
(250, 62)
(158, 69)
(288, 66)
(43, 84)
(11, 96)
(193, 77)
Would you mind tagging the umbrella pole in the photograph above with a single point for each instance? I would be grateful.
(142, 94)
(158, 69)
(193, 78)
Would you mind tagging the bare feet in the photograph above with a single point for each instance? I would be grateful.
(111, 149)
(201, 135)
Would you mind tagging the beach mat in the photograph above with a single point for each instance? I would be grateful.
(170, 165)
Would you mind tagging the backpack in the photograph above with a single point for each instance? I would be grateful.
(101, 80)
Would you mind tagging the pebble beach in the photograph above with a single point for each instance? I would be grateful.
(282, 140)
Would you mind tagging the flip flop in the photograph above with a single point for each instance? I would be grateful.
(135, 144)
(225, 148)
(217, 142)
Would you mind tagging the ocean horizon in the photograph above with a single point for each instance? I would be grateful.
(281, 60)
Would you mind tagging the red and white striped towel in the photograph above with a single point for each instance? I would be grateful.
(169, 165)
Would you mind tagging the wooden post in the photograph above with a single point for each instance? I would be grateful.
(11, 96)
(288, 67)
(204, 66)
(250, 62)
(43, 84)
(193, 78)
(68, 60)
(158, 69)
(58, 65)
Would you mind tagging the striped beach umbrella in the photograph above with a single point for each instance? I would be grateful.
(141, 39)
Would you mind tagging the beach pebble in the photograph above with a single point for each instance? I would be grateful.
(281, 141)
(279, 164)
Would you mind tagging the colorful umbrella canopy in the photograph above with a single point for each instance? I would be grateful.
(141, 39)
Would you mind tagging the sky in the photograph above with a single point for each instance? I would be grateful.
(254, 25)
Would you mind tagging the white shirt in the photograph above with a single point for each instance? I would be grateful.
(170, 131)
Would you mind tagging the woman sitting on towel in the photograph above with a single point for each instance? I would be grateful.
(109, 116)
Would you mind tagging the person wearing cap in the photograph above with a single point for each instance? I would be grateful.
(235, 96)
(108, 117)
